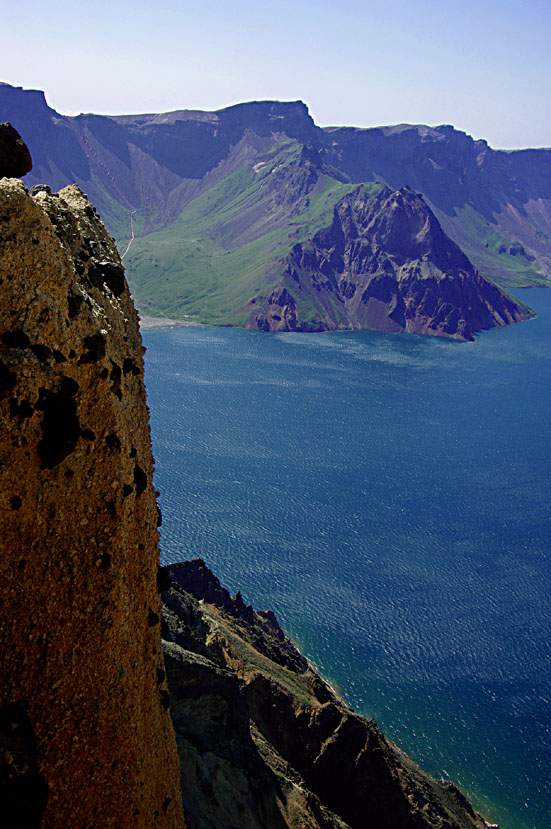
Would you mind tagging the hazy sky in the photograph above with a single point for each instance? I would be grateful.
(482, 65)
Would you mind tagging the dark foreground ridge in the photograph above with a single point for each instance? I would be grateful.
(265, 741)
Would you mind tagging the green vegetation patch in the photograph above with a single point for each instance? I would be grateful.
(496, 256)
(228, 244)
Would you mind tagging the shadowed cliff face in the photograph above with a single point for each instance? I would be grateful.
(264, 741)
(85, 734)
(384, 264)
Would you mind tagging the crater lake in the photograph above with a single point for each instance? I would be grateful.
(388, 496)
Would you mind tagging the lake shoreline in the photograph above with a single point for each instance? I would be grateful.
(148, 323)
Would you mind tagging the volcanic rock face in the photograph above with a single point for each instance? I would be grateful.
(82, 670)
(264, 741)
(385, 264)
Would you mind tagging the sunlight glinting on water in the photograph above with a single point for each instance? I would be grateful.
(388, 497)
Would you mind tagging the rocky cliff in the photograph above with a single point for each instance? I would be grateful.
(384, 264)
(265, 742)
(85, 732)
(485, 199)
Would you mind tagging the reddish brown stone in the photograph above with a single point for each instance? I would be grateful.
(78, 567)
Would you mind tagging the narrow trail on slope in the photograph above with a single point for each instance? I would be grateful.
(131, 237)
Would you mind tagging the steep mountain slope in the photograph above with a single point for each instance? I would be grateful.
(384, 264)
(152, 163)
(162, 180)
(264, 741)
(495, 204)
(234, 237)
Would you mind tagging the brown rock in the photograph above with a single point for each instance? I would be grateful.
(79, 608)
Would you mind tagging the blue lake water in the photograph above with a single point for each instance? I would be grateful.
(390, 498)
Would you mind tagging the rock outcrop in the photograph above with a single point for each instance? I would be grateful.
(264, 741)
(15, 159)
(85, 732)
(384, 264)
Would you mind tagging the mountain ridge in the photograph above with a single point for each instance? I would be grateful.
(266, 741)
(496, 205)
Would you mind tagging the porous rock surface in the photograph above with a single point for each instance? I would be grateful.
(85, 732)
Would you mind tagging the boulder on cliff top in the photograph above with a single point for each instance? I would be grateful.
(15, 159)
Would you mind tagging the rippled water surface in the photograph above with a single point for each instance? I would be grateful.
(389, 497)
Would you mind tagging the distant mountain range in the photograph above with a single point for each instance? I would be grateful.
(254, 216)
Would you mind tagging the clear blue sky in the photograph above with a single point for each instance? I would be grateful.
(482, 65)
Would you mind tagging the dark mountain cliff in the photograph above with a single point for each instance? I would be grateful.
(190, 143)
(385, 264)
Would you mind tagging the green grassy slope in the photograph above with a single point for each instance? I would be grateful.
(490, 250)
(225, 245)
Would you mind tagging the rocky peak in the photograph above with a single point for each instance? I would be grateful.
(196, 578)
(401, 223)
(260, 627)
(384, 263)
